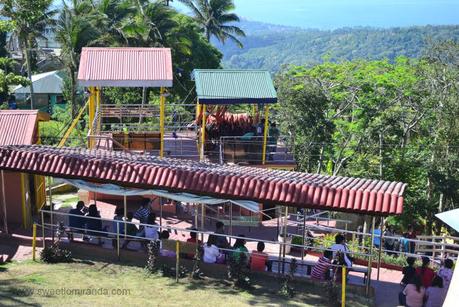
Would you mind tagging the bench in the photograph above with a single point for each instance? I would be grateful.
(310, 264)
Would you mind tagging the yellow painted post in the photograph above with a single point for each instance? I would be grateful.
(343, 287)
(161, 120)
(177, 262)
(203, 131)
(34, 240)
(265, 135)
(92, 112)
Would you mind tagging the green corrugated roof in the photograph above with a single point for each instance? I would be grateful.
(224, 86)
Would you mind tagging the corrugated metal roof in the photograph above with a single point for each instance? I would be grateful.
(17, 127)
(223, 86)
(126, 67)
(277, 187)
(45, 83)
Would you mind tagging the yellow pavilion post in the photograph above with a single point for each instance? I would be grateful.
(203, 132)
(92, 111)
(162, 106)
(265, 134)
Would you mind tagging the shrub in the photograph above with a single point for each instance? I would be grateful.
(286, 289)
(55, 254)
(153, 255)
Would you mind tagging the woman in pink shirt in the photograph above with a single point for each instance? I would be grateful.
(414, 293)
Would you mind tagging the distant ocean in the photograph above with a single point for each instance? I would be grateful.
(332, 14)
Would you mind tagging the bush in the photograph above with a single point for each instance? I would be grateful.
(153, 255)
(55, 254)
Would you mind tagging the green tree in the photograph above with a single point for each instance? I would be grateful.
(29, 20)
(75, 29)
(215, 19)
(377, 119)
(8, 78)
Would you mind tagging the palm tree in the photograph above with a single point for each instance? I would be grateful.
(29, 20)
(75, 29)
(215, 20)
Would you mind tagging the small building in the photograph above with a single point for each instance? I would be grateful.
(47, 89)
(24, 193)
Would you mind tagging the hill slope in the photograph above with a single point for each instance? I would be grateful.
(270, 46)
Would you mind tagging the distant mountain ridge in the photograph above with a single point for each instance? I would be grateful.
(271, 46)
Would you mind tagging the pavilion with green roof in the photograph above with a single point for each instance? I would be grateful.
(230, 87)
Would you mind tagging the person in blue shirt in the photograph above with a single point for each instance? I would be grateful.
(377, 237)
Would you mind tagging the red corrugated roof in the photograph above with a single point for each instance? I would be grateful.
(126, 67)
(17, 127)
(233, 182)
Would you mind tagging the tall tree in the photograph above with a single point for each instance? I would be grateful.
(75, 29)
(215, 19)
(29, 20)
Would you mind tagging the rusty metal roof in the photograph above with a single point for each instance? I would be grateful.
(364, 196)
(229, 86)
(17, 127)
(126, 67)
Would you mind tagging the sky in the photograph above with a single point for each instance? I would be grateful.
(332, 14)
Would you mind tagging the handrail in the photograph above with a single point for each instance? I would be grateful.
(168, 227)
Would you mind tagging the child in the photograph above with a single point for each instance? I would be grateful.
(321, 270)
(426, 273)
(164, 235)
(408, 271)
(435, 294)
(446, 272)
(413, 294)
(259, 260)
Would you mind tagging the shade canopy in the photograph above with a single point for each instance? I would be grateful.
(112, 189)
(223, 86)
(451, 218)
(295, 189)
(125, 67)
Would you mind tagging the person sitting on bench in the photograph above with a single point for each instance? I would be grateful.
(321, 270)
(131, 230)
(94, 223)
(164, 235)
(211, 252)
(76, 220)
(259, 260)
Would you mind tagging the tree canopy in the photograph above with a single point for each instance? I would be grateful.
(376, 119)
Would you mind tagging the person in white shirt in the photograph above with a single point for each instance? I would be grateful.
(211, 251)
(340, 246)
(151, 231)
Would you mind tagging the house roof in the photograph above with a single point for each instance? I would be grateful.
(126, 67)
(364, 196)
(45, 83)
(17, 127)
(226, 86)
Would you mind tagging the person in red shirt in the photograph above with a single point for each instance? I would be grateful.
(192, 239)
(321, 270)
(426, 273)
(259, 260)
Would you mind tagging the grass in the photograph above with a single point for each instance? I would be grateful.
(99, 283)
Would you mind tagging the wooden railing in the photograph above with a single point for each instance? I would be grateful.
(438, 246)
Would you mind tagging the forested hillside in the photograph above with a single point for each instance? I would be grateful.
(269, 46)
